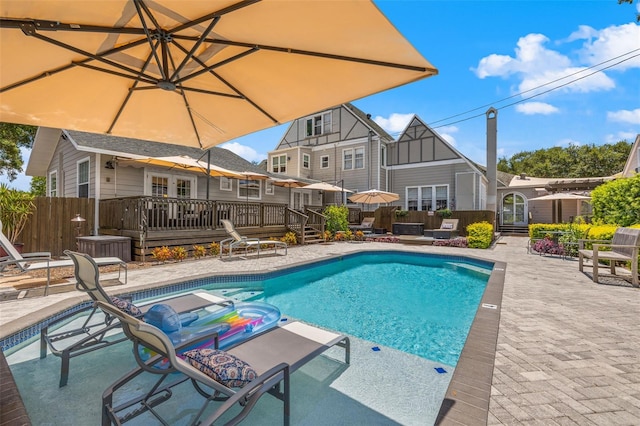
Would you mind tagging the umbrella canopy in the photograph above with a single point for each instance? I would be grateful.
(560, 196)
(197, 73)
(289, 183)
(323, 186)
(184, 163)
(374, 196)
(249, 175)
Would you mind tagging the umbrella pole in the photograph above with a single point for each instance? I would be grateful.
(208, 171)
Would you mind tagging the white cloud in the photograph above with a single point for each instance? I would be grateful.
(621, 136)
(531, 108)
(567, 142)
(244, 151)
(446, 133)
(625, 116)
(610, 43)
(534, 64)
(395, 123)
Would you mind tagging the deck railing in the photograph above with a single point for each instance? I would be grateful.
(175, 214)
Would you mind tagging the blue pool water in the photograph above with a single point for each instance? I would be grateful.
(418, 304)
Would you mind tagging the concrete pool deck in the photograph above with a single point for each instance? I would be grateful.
(567, 349)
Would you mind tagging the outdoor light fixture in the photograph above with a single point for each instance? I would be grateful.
(77, 222)
(109, 165)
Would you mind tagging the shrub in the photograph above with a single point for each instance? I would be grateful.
(339, 236)
(479, 235)
(179, 253)
(290, 238)
(337, 218)
(617, 202)
(548, 246)
(161, 254)
(15, 209)
(214, 249)
(359, 235)
(444, 213)
(328, 236)
(199, 251)
(348, 235)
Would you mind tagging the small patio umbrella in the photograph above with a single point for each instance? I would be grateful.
(289, 183)
(197, 73)
(324, 186)
(374, 196)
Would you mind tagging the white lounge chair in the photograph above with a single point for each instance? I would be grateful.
(29, 263)
(238, 242)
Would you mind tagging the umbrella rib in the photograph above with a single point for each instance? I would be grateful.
(321, 55)
(87, 54)
(29, 27)
(219, 13)
(188, 108)
(141, 8)
(206, 68)
(128, 96)
(197, 44)
(229, 85)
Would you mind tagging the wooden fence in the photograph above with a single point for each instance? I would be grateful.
(50, 227)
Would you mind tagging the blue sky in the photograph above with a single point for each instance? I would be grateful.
(487, 54)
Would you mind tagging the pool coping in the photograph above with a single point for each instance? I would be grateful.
(467, 397)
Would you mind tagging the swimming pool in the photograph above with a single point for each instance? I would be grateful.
(420, 392)
(421, 305)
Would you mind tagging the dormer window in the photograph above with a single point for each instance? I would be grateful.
(318, 124)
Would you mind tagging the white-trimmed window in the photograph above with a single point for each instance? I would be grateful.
(268, 187)
(359, 158)
(83, 178)
(324, 162)
(347, 159)
(306, 161)
(249, 189)
(159, 186)
(318, 124)
(185, 188)
(279, 163)
(225, 184)
(427, 198)
(53, 184)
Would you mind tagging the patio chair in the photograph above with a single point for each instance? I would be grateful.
(43, 260)
(624, 247)
(240, 375)
(93, 333)
(12, 252)
(237, 241)
(366, 226)
(448, 229)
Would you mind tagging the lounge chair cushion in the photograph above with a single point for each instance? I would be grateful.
(447, 226)
(221, 366)
(126, 306)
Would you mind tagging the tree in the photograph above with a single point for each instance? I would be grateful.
(630, 2)
(617, 202)
(12, 138)
(39, 186)
(574, 161)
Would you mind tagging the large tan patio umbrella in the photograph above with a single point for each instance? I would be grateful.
(327, 187)
(557, 198)
(289, 183)
(196, 73)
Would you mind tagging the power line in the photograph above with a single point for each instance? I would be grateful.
(536, 88)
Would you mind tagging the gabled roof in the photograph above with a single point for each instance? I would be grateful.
(632, 166)
(366, 119)
(46, 141)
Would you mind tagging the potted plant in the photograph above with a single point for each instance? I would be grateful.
(445, 213)
(15, 209)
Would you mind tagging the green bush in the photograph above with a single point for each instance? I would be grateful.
(479, 235)
(617, 202)
(337, 218)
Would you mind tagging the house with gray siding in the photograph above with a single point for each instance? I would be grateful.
(342, 146)
(430, 174)
(88, 165)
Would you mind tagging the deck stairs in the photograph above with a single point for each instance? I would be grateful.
(515, 230)
(312, 236)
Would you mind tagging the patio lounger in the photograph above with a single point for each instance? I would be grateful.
(12, 252)
(448, 228)
(366, 225)
(261, 364)
(36, 261)
(237, 241)
(624, 247)
(92, 333)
